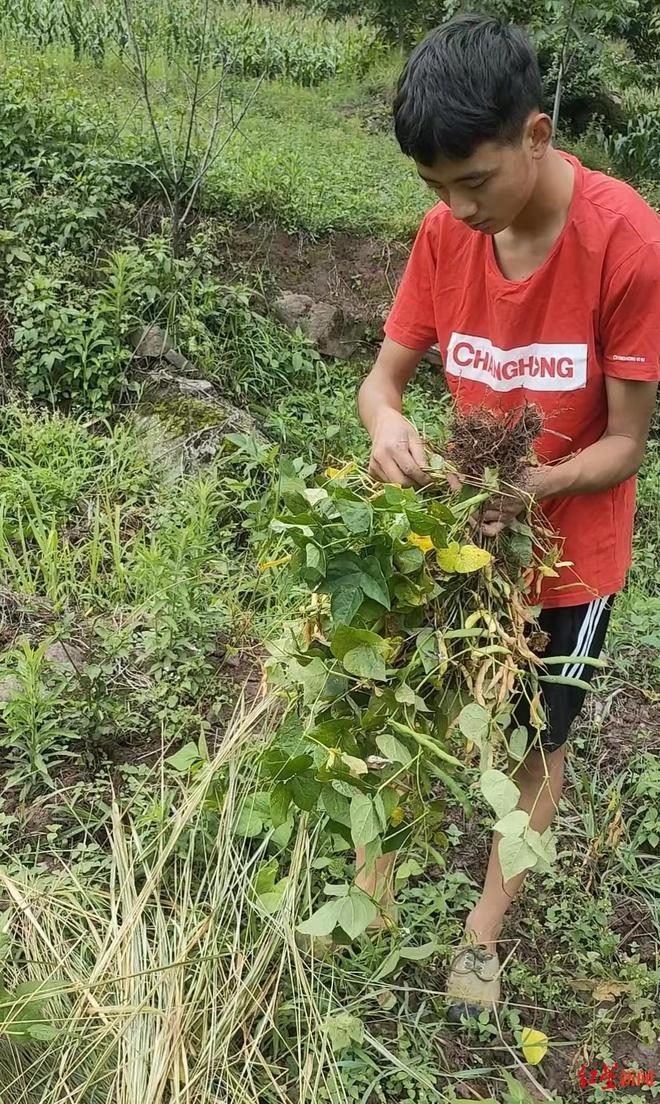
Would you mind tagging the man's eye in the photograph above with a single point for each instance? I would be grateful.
(479, 184)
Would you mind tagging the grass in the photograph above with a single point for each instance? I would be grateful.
(300, 154)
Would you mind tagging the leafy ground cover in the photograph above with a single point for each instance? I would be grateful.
(148, 943)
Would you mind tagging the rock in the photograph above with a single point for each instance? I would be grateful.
(9, 688)
(178, 361)
(150, 342)
(201, 388)
(323, 323)
(432, 356)
(161, 444)
(65, 656)
(292, 309)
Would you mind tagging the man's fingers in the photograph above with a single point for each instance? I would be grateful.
(387, 471)
(417, 450)
(492, 529)
(409, 461)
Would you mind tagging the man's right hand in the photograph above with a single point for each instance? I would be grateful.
(397, 454)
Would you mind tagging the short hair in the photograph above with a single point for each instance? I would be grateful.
(472, 80)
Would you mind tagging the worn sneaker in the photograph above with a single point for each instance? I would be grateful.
(473, 983)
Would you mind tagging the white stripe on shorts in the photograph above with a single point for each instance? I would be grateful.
(586, 636)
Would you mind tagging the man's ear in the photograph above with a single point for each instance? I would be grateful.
(538, 132)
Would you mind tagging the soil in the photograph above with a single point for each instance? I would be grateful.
(358, 274)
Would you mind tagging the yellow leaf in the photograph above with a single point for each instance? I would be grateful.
(397, 816)
(463, 559)
(274, 563)
(534, 1045)
(339, 473)
(425, 544)
(548, 572)
(356, 766)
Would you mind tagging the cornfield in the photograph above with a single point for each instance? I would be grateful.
(244, 39)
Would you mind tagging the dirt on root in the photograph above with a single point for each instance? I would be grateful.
(358, 274)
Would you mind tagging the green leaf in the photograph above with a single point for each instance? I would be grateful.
(518, 743)
(513, 824)
(343, 1030)
(356, 912)
(314, 564)
(515, 856)
(349, 570)
(432, 651)
(542, 845)
(394, 749)
(279, 766)
(357, 516)
(364, 820)
(500, 792)
(280, 800)
(418, 954)
(387, 966)
(249, 822)
(312, 675)
(185, 759)
(346, 639)
(345, 603)
(43, 1032)
(522, 547)
(305, 791)
(474, 723)
(323, 921)
(365, 662)
(336, 806)
(409, 560)
(281, 836)
(390, 800)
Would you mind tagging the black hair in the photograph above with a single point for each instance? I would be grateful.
(472, 80)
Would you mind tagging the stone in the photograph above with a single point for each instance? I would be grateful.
(291, 309)
(432, 356)
(323, 323)
(65, 656)
(150, 342)
(198, 388)
(9, 688)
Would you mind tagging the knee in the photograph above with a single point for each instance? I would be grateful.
(538, 764)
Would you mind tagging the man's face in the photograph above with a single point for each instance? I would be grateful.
(488, 190)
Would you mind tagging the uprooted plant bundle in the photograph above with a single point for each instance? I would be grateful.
(419, 638)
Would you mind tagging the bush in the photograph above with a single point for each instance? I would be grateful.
(637, 151)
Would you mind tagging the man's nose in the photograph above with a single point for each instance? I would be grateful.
(462, 207)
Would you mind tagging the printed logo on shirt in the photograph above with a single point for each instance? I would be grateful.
(538, 367)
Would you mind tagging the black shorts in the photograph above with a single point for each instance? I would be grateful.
(573, 631)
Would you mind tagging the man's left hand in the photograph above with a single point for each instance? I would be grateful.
(501, 509)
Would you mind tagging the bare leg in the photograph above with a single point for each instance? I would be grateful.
(378, 882)
(540, 789)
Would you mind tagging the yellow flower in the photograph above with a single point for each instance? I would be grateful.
(425, 544)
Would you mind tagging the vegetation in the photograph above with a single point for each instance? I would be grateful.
(167, 828)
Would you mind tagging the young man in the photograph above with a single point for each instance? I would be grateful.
(539, 280)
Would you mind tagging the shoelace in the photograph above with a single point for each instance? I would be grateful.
(475, 958)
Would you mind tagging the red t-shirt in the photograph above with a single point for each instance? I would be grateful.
(591, 310)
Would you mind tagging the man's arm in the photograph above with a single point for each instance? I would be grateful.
(397, 454)
(615, 457)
